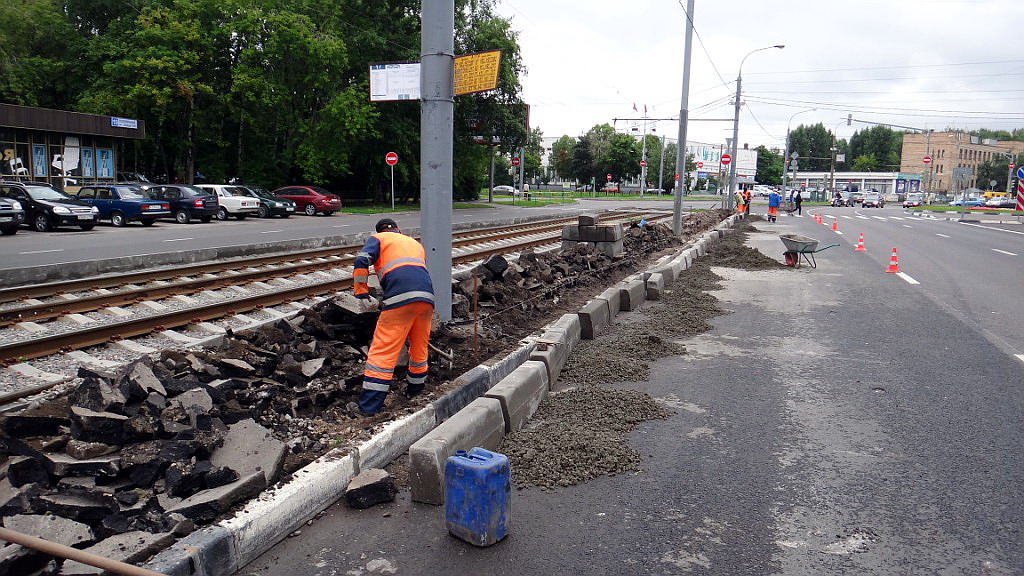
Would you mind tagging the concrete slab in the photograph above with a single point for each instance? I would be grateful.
(499, 368)
(207, 505)
(631, 294)
(130, 548)
(521, 393)
(479, 424)
(655, 287)
(594, 316)
(570, 324)
(669, 272)
(614, 299)
(51, 527)
(248, 448)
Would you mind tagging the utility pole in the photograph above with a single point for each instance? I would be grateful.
(643, 158)
(437, 108)
(681, 175)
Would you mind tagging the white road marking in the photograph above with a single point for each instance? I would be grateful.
(988, 228)
(907, 278)
(863, 217)
(42, 251)
(838, 232)
(1003, 252)
(896, 217)
(847, 217)
(271, 231)
(1020, 357)
(341, 226)
(178, 239)
(878, 218)
(907, 226)
(943, 235)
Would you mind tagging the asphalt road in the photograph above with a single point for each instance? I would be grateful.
(835, 421)
(30, 248)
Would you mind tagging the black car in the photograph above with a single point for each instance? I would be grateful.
(47, 208)
(873, 200)
(11, 216)
(270, 205)
(187, 202)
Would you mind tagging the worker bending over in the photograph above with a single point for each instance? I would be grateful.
(407, 309)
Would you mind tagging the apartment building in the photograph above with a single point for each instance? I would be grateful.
(950, 151)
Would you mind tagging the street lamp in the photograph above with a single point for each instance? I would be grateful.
(785, 157)
(736, 125)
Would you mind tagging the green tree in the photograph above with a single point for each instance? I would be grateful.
(769, 166)
(39, 51)
(562, 155)
(880, 147)
(583, 169)
(622, 158)
(814, 145)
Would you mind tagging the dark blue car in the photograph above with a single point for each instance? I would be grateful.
(123, 203)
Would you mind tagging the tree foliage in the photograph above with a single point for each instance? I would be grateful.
(876, 149)
(769, 166)
(272, 91)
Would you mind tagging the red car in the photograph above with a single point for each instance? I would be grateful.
(310, 199)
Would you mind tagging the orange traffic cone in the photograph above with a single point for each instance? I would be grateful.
(894, 265)
(860, 244)
(835, 225)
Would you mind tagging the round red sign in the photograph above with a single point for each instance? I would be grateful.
(515, 161)
(643, 163)
(609, 177)
(391, 158)
(726, 158)
(700, 164)
(927, 160)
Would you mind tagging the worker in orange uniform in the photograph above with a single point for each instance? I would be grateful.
(407, 308)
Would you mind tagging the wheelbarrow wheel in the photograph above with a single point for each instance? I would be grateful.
(792, 259)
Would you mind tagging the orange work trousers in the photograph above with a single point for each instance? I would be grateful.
(394, 327)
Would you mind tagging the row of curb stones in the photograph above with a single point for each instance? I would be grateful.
(485, 403)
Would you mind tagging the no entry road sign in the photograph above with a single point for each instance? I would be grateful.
(726, 158)
(391, 158)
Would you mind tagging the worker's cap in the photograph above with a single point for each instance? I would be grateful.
(386, 224)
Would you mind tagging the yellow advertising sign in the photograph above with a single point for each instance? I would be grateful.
(477, 72)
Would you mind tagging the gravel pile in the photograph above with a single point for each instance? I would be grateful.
(580, 434)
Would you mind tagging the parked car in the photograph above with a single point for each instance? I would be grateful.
(12, 215)
(1001, 202)
(122, 203)
(310, 199)
(232, 201)
(873, 200)
(913, 200)
(47, 208)
(270, 205)
(502, 189)
(966, 201)
(856, 198)
(187, 202)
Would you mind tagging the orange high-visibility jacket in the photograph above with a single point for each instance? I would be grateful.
(400, 264)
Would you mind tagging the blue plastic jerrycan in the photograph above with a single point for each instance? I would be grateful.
(477, 496)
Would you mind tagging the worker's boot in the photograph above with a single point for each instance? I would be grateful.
(413, 390)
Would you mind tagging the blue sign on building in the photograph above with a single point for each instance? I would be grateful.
(124, 122)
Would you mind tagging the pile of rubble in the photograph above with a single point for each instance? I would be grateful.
(130, 460)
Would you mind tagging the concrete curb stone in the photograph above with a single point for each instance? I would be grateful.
(481, 423)
(631, 294)
(521, 393)
(655, 287)
(614, 299)
(594, 316)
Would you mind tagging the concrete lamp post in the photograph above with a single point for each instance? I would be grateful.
(736, 127)
(785, 157)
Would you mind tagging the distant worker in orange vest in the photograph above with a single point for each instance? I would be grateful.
(407, 309)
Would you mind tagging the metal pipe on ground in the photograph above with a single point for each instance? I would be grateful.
(69, 553)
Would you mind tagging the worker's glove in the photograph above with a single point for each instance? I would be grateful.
(368, 305)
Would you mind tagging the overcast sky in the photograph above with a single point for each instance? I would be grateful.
(921, 63)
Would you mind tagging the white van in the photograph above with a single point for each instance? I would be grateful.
(232, 201)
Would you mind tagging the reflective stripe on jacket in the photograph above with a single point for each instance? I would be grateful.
(400, 264)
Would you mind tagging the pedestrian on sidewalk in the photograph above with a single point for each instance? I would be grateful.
(407, 309)
(774, 200)
(797, 200)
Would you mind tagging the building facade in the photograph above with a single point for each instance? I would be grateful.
(955, 157)
(63, 148)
